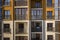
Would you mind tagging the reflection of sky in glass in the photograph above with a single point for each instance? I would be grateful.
(56, 3)
(7, 12)
(56, 9)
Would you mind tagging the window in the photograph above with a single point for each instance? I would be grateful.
(6, 27)
(49, 3)
(0, 13)
(50, 37)
(59, 13)
(20, 13)
(36, 14)
(7, 2)
(57, 26)
(6, 38)
(7, 14)
(0, 37)
(49, 14)
(0, 27)
(0, 2)
(36, 26)
(49, 26)
(59, 3)
(37, 4)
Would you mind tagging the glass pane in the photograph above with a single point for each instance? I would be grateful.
(7, 12)
(49, 2)
(49, 13)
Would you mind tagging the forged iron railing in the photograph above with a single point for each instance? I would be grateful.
(20, 17)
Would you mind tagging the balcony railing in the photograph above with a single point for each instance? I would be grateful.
(36, 17)
(50, 17)
(20, 3)
(51, 29)
(36, 29)
(20, 17)
(7, 30)
(19, 31)
(7, 17)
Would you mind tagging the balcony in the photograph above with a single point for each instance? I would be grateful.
(36, 13)
(36, 27)
(20, 3)
(21, 28)
(20, 17)
(7, 17)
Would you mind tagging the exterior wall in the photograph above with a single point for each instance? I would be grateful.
(10, 7)
(10, 35)
(27, 22)
(48, 32)
(26, 26)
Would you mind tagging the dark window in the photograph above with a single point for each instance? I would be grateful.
(49, 26)
(0, 37)
(7, 14)
(50, 37)
(49, 3)
(59, 3)
(0, 27)
(59, 13)
(20, 28)
(6, 27)
(0, 13)
(36, 27)
(6, 38)
(0, 2)
(36, 37)
(37, 4)
(7, 2)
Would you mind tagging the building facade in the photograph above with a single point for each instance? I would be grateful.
(29, 19)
